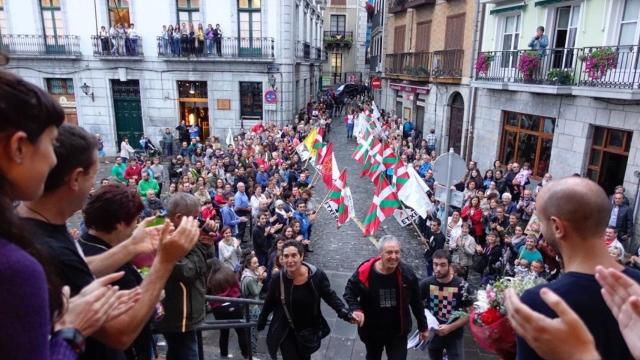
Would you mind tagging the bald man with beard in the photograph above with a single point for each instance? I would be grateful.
(572, 218)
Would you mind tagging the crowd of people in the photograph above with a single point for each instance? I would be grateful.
(190, 40)
(236, 220)
(120, 40)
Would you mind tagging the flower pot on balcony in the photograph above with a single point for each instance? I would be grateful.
(528, 65)
(483, 63)
(559, 77)
(599, 62)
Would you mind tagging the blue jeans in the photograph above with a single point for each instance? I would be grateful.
(182, 346)
(453, 343)
(350, 130)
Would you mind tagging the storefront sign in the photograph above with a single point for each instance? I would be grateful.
(410, 89)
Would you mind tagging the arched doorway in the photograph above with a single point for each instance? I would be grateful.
(456, 117)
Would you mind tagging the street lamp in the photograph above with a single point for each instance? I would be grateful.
(86, 89)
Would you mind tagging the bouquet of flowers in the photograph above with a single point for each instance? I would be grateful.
(488, 320)
(483, 62)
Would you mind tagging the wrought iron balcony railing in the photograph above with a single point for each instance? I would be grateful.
(225, 47)
(117, 46)
(40, 45)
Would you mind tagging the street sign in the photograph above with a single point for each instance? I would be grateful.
(441, 165)
(376, 83)
(270, 97)
(273, 68)
(457, 197)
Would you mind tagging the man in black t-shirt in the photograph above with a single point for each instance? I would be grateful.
(435, 241)
(380, 293)
(445, 294)
(570, 213)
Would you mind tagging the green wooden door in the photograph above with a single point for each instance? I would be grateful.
(128, 111)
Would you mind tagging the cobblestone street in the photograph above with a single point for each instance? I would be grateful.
(339, 252)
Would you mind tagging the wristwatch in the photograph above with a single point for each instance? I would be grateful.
(73, 337)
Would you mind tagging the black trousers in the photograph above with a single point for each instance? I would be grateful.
(228, 313)
(395, 346)
(289, 348)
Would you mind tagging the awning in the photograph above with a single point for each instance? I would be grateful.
(514, 7)
(547, 2)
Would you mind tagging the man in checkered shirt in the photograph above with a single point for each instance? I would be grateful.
(444, 294)
(432, 139)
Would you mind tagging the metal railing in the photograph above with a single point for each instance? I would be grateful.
(230, 47)
(616, 67)
(333, 36)
(335, 78)
(303, 50)
(117, 46)
(447, 63)
(245, 323)
(40, 45)
(609, 67)
(415, 64)
(543, 67)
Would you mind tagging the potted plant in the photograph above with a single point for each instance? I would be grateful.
(598, 62)
(528, 64)
(483, 62)
(560, 77)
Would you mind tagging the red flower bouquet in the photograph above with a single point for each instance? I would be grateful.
(488, 321)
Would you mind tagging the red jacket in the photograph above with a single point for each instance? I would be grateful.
(133, 171)
(476, 219)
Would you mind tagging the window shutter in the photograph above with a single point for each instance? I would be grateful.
(398, 39)
(423, 36)
(454, 38)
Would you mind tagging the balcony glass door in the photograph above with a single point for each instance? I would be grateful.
(52, 26)
(250, 28)
(564, 39)
(510, 39)
(629, 37)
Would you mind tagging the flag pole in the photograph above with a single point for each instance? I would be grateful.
(325, 198)
(422, 238)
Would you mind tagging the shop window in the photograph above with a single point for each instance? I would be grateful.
(62, 90)
(251, 99)
(527, 138)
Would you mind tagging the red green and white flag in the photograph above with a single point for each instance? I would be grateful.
(389, 157)
(385, 201)
(400, 175)
(340, 198)
(362, 151)
(322, 150)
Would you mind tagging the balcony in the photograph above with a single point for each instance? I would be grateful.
(396, 6)
(335, 40)
(62, 46)
(374, 61)
(303, 50)
(317, 55)
(409, 66)
(185, 48)
(418, 3)
(604, 72)
(118, 47)
(447, 66)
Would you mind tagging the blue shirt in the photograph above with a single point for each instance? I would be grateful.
(305, 223)
(230, 218)
(424, 168)
(242, 201)
(262, 178)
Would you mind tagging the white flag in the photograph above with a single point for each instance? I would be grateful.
(303, 152)
(414, 194)
(376, 113)
(230, 138)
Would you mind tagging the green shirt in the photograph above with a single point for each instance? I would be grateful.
(146, 185)
(117, 171)
(530, 256)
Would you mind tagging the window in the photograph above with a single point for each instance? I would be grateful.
(339, 2)
(60, 86)
(251, 99)
(454, 36)
(52, 23)
(336, 63)
(3, 19)
(527, 138)
(510, 39)
(250, 19)
(608, 157)
(629, 23)
(189, 11)
(63, 92)
(422, 41)
(118, 12)
(338, 24)
(566, 29)
(398, 39)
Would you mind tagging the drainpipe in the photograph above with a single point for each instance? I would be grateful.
(477, 46)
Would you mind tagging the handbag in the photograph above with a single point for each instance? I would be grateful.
(308, 340)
